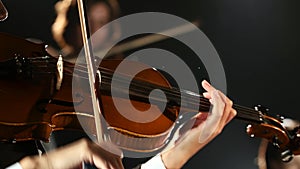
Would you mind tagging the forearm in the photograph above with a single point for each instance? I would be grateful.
(173, 160)
(57, 158)
(74, 154)
(184, 148)
(176, 157)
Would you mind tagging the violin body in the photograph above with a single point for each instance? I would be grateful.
(138, 135)
(125, 133)
(22, 96)
(28, 75)
(45, 109)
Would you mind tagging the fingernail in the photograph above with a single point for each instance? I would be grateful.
(205, 94)
(234, 112)
(206, 83)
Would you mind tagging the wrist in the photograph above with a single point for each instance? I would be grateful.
(178, 155)
(173, 158)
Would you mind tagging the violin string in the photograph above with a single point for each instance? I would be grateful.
(140, 87)
(244, 110)
(247, 112)
(82, 69)
(174, 92)
(192, 100)
(139, 92)
(137, 88)
(171, 92)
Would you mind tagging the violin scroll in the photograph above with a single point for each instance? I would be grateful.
(273, 129)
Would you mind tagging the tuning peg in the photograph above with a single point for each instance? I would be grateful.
(261, 109)
(280, 118)
(275, 142)
(287, 155)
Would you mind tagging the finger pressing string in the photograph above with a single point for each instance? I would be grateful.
(207, 95)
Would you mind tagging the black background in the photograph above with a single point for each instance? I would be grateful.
(257, 42)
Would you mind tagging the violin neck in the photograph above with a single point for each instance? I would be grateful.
(194, 102)
(248, 114)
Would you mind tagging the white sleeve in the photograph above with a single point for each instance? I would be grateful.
(155, 162)
(15, 166)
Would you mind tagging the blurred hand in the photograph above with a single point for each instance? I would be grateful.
(74, 154)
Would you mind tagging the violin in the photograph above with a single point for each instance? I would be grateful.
(32, 107)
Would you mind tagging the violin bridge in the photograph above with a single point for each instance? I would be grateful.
(60, 68)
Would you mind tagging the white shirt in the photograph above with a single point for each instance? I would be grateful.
(155, 162)
(15, 166)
